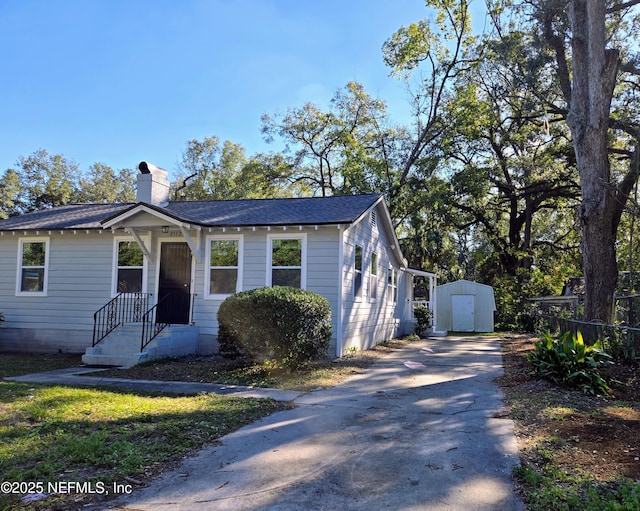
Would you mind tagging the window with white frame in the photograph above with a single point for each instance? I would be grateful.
(392, 285)
(373, 277)
(224, 256)
(33, 264)
(286, 261)
(130, 267)
(357, 273)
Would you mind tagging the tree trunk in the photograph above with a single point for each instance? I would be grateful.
(594, 74)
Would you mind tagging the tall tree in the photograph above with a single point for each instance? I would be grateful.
(346, 148)
(510, 164)
(49, 180)
(429, 56)
(596, 69)
(101, 184)
(210, 170)
(11, 188)
(267, 175)
(439, 48)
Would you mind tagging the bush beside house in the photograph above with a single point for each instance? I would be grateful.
(285, 325)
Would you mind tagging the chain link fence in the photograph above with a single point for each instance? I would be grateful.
(621, 338)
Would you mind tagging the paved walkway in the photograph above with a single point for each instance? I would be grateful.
(76, 376)
(420, 430)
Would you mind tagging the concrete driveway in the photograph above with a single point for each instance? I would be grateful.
(420, 430)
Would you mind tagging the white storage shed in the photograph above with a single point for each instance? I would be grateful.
(465, 306)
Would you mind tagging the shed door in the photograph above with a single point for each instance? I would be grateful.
(175, 283)
(462, 313)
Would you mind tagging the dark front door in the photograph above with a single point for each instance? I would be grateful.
(174, 287)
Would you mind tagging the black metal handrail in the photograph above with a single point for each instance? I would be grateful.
(124, 308)
(151, 328)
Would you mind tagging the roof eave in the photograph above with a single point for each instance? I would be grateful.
(116, 221)
(388, 226)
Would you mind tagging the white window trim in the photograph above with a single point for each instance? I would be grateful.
(114, 268)
(392, 288)
(303, 269)
(358, 296)
(45, 284)
(207, 265)
(373, 279)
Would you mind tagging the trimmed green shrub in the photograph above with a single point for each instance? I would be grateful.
(285, 325)
(423, 316)
(568, 360)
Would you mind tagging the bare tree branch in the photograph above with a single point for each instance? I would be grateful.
(622, 6)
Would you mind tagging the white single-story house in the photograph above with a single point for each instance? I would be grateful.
(465, 306)
(77, 277)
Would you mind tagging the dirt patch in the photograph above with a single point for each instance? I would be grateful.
(216, 369)
(594, 435)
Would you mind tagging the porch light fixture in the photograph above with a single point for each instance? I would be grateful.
(165, 229)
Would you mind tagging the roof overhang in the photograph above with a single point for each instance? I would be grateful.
(420, 273)
(387, 224)
(125, 218)
(130, 221)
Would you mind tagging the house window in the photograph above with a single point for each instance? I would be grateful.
(286, 261)
(130, 267)
(33, 262)
(392, 285)
(357, 273)
(224, 255)
(373, 279)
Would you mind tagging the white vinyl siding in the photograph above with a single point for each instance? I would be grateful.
(375, 319)
(61, 320)
(33, 267)
(224, 260)
(86, 275)
(320, 270)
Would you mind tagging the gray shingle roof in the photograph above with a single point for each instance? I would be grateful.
(343, 209)
(71, 216)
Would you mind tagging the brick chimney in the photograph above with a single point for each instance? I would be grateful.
(153, 185)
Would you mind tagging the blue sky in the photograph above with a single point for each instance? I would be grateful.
(120, 81)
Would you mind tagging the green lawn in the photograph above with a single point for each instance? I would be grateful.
(16, 364)
(94, 436)
(56, 433)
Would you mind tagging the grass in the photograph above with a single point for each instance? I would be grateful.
(56, 433)
(16, 364)
(52, 434)
(578, 452)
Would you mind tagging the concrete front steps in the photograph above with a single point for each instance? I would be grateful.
(122, 346)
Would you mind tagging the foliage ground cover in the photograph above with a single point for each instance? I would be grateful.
(578, 451)
(55, 433)
(569, 360)
(214, 369)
